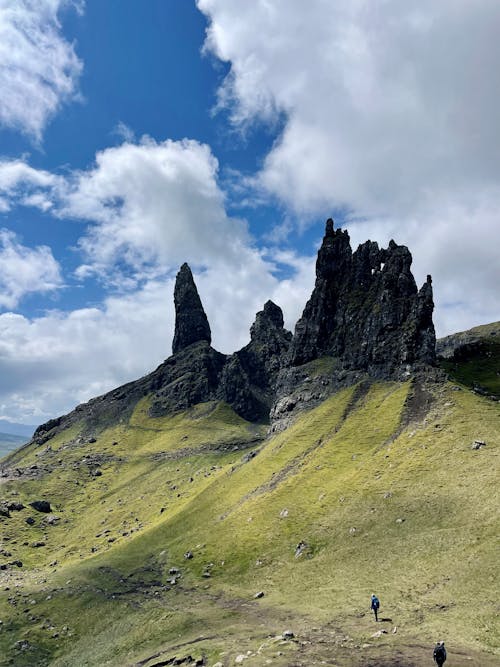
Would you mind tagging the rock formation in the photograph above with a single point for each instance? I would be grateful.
(248, 380)
(365, 309)
(191, 323)
(365, 319)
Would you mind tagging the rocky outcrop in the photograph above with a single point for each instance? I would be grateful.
(191, 323)
(249, 377)
(365, 309)
(189, 377)
(365, 319)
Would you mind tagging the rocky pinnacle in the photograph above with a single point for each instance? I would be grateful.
(191, 323)
(365, 309)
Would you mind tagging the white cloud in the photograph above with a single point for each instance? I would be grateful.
(39, 69)
(20, 182)
(49, 364)
(149, 206)
(25, 270)
(391, 114)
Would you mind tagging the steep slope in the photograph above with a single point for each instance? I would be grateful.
(473, 358)
(194, 515)
(375, 489)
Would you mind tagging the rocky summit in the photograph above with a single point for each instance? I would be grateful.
(191, 323)
(365, 319)
(365, 309)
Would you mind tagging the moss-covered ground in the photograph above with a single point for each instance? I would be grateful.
(346, 502)
(477, 364)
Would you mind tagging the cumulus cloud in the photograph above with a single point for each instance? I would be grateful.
(49, 364)
(390, 116)
(39, 69)
(25, 270)
(149, 206)
(21, 183)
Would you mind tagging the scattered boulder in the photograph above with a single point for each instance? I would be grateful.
(15, 507)
(188, 555)
(478, 444)
(41, 506)
(258, 595)
(283, 513)
(379, 633)
(51, 520)
(30, 521)
(301, 548)
(288, 634)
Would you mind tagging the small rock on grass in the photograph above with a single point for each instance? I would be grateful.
(379, 633)
(41, 506)
(478, 444)
(288, 634)
(258, 595)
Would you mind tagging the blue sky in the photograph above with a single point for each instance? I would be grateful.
(135, 136)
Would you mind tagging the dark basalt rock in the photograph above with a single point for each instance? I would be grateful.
(41, 506)
(365, 309)
(365, 319)
(249, 377)
(189, 377)
(191, 323)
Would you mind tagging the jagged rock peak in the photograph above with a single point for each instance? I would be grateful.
(191, 323)
(270, 317)
(365, 308)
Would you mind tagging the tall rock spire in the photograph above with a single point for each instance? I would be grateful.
(191, 323)
(365, 308)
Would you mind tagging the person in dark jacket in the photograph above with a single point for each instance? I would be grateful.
(439, 654)
(375, 604)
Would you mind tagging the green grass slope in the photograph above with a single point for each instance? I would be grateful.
(472, 358)
(380, 498)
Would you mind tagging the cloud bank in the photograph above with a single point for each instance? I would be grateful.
(390, 117)
(149, 206)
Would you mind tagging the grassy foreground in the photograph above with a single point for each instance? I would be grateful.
(379, 499)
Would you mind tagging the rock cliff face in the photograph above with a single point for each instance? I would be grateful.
(365, 319)
(249, 377)
(365, 309)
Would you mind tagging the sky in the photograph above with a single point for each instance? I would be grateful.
(135, 136)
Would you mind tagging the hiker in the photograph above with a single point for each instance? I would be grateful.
(375, 604)
(439, 654)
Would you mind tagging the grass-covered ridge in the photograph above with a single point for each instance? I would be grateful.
(472, 358)
(407, 511)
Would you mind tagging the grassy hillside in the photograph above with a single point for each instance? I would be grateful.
(379, 496)
(472, 358)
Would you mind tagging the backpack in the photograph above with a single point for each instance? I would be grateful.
(440, 653)
(375, 603)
